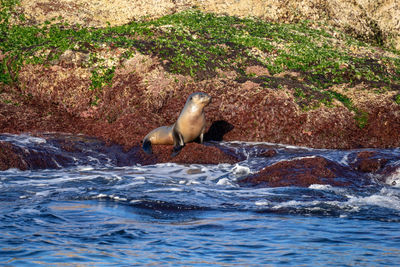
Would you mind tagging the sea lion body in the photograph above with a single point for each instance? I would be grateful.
(161, 136)
(189, 126)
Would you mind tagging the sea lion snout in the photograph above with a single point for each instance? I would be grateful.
(207, 98)
(200, 98)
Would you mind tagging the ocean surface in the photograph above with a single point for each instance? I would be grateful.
(92, 210)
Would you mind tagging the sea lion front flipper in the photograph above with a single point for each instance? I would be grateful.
(147, 146)
(201, 137)
(179, 142)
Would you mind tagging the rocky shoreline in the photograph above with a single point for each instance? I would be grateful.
(142, 98)
(284, 165)
(118, 93)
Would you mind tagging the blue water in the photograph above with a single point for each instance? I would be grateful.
(95, 213)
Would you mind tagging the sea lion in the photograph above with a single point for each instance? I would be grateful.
(189, 126)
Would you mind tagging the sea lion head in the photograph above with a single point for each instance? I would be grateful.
(199, 99)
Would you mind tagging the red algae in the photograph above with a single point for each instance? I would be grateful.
(192, 153)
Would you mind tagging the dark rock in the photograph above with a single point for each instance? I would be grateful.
(268, 153)
(303, 172)
(9, 158)
(369, 162)
(12, 156)
(72, 150)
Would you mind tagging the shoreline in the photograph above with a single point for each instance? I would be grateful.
(293, 84)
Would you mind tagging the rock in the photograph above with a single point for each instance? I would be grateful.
(268, 153)
(192, 153)
(65, 150)
(61, 101)
(369, 162)
(303, 172)
(390, 175)
(97, 13)
(9, 158)
(144, 95)
(373, 20)
(25, 159)
(385, 167)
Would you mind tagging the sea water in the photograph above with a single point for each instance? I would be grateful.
(95, 212)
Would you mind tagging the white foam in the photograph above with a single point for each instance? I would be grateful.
(224, 181)
(377, 200)
(171, 189)
(90, 158)
(22, 139)
(262, 203)
(11, 171)
(345, 160)
(55, 162)
(289, 204)
(175, 189)
(129, 185)
(386, 198)
(44, 193)
(118, 198)
(305, 157)
(268, 144)
(394, 178)
(192, 182)
(240, 170)
(85, 168)
(320, 187)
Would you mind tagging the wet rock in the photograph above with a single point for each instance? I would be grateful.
(9, 158)
(384, 166)
(303, 172)
(12, 156)
(58, 150)
(268, 153)
(369, 162)
(390, 175)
